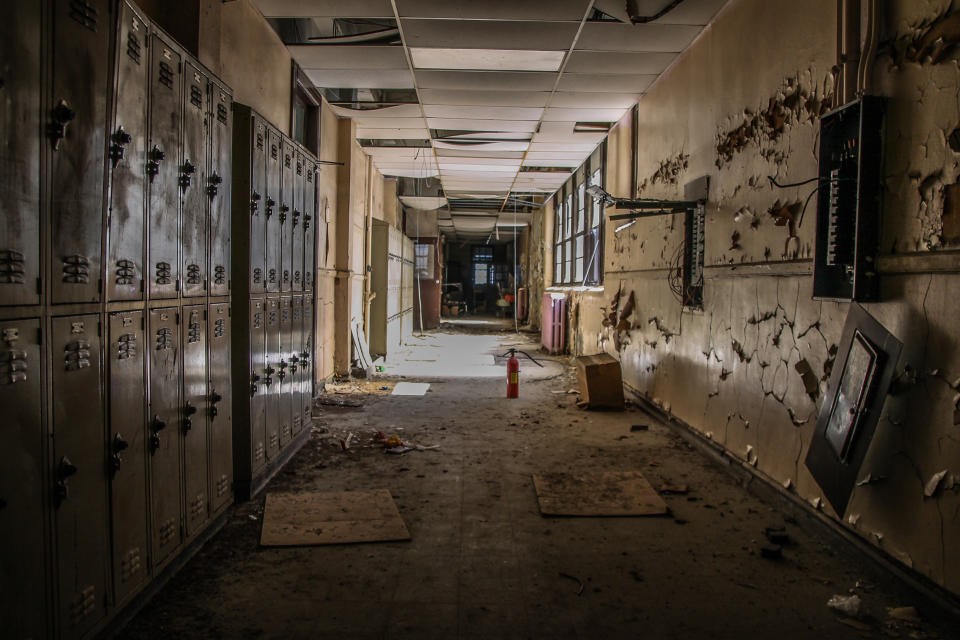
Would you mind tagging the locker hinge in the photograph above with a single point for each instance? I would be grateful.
(99, 285)
(98, 329)
(39, 286)
(177, 285)
(176, 318)
(39, 335)
(143, 322)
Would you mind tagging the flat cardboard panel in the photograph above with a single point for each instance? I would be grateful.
(314, 518)
(601, 385)
(597, 494)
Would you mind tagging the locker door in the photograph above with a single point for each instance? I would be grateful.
(309, 224)
(221, 131)
(273, 211)
(163, 421)
(306, 363)
(285, 402)
(21, 481)
(296, 371)
(127, 442)
(20, 154)
(79, 474)
(127, 153)
(296, 226)
(219, 403)
(287, 191)
(193, 181)
(163, 169)
(76, 122)
(258, 207)
(194, 423)
(271, 379)
(259, 387)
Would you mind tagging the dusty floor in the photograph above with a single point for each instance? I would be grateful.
(483, 562)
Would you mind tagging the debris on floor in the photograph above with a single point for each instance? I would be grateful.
(849, 605)
(352, 387)
(639, 427)
(336, 401)
(771, 551)
(575, 579)
(777, 535)
(597, 494)
(410, 388)
(600, 382)
(673, 489)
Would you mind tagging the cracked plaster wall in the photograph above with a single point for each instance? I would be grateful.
(739, 109)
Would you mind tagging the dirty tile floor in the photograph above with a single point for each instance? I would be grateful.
(482, 561)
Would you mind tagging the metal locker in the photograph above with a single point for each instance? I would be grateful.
(287, 195)
(127, 147)
(272, 231)
(76, 120)
(221, 135)
(306, 363)
(163, 422)
(296, 225)
(163, 169)
(285, 402)
(127, 448)
(194, 417)
(271, 378)
(22, 609)
(259, 387)
(296, 372)
(192, 181)
(79, 474)
(258, 206)
(309, 223)
(219, 402)
(20, 69)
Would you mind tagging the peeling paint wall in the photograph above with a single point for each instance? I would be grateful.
(750, 369)
(326, 242)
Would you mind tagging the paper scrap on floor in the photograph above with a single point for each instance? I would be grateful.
(597, 494)
(410, 389)
(317, 518)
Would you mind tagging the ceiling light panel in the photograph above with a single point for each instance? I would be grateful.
(491, 98)
(489, 34)
(606, 83)
(555, 114)
(615, 36)
(324, 8)
(493, 9)
(609, 62)
(482, 112)
(595, 100)
(490, 150)
(572, 147)
(486, 59)
(361, 79)
(491, 162)
(348, 57)
(486, 80)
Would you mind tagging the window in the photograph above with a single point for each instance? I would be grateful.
(479, 274)
(424, 266)
(483, 273)
(578, 227)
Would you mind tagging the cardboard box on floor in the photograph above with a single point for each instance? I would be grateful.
(601, 386)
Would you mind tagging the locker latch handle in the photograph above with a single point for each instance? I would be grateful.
(188, 410)
(296, 217)
(270, 203)
(186, 174)
(153, 164)
(254, 202)
(283, 369)
(293, 363)
(254, 378)
(119, 444)
(156, 427)
(214, 187)
(269, 371)
(65, 469)
(120, 140)
(62, 116)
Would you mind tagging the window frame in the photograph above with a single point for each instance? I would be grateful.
(579, 224)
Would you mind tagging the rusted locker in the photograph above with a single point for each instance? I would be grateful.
(22, 601)
(296, 371)
(219, 412)
(163, 169)
(285, 401)
(309, 223)
(272, 231)
(127, 444)
(20, 69)
(306, 362)
(127, 147)
(287, 195)
(296, 224)
(218, 189)
(259, 151)
(271, 377)
(259, 387)
(194, 417)
(192, 181)
(163, 424)
(76, 121)
(79, 474)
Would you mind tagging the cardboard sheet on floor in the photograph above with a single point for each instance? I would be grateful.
(315, 518)
(597, 494)
(410, 389)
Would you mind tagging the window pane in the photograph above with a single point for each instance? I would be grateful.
(568, 261)
(479, 273)
(581, 206)
(568, 224)
(597, 206)
(578, 257)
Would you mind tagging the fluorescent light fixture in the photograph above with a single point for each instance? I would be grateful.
(503, 168)
(486, 59)
(625, 225)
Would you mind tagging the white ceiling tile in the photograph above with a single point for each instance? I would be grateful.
(693, 12)
(377, 133)
(348, 57)
(607, 83)
(486, 59)
(519, 126)
(555, 162)
(504, 162)
(487, 80)
(405, 111)
(470, 152)
(492, 135)
(386, 123)
(614, 36)
(556, 155)
(489, 34)
(483, 112)
(324, 8)
(585, 147)
(366, 79)
(493, 98)
(592, 99)
(560, 132)
(492, 9)
(562, 114)
(644, 63)
(410, 173)
(396, 153)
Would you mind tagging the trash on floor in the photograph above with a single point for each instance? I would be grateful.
(673, 489)
(777, 535)
(640, 427)
(379, 387)
(771, 552)
(907, 614)
(600, 383)
(317, 518)
(334, 401)
(400, 449)
(849, 605)
(597, 494)
(575, 579)
(410, 388)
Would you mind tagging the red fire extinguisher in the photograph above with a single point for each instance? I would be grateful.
(513, 371)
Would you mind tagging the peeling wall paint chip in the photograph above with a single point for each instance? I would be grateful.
(934, 483)
(816, 503)
(853, 519)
